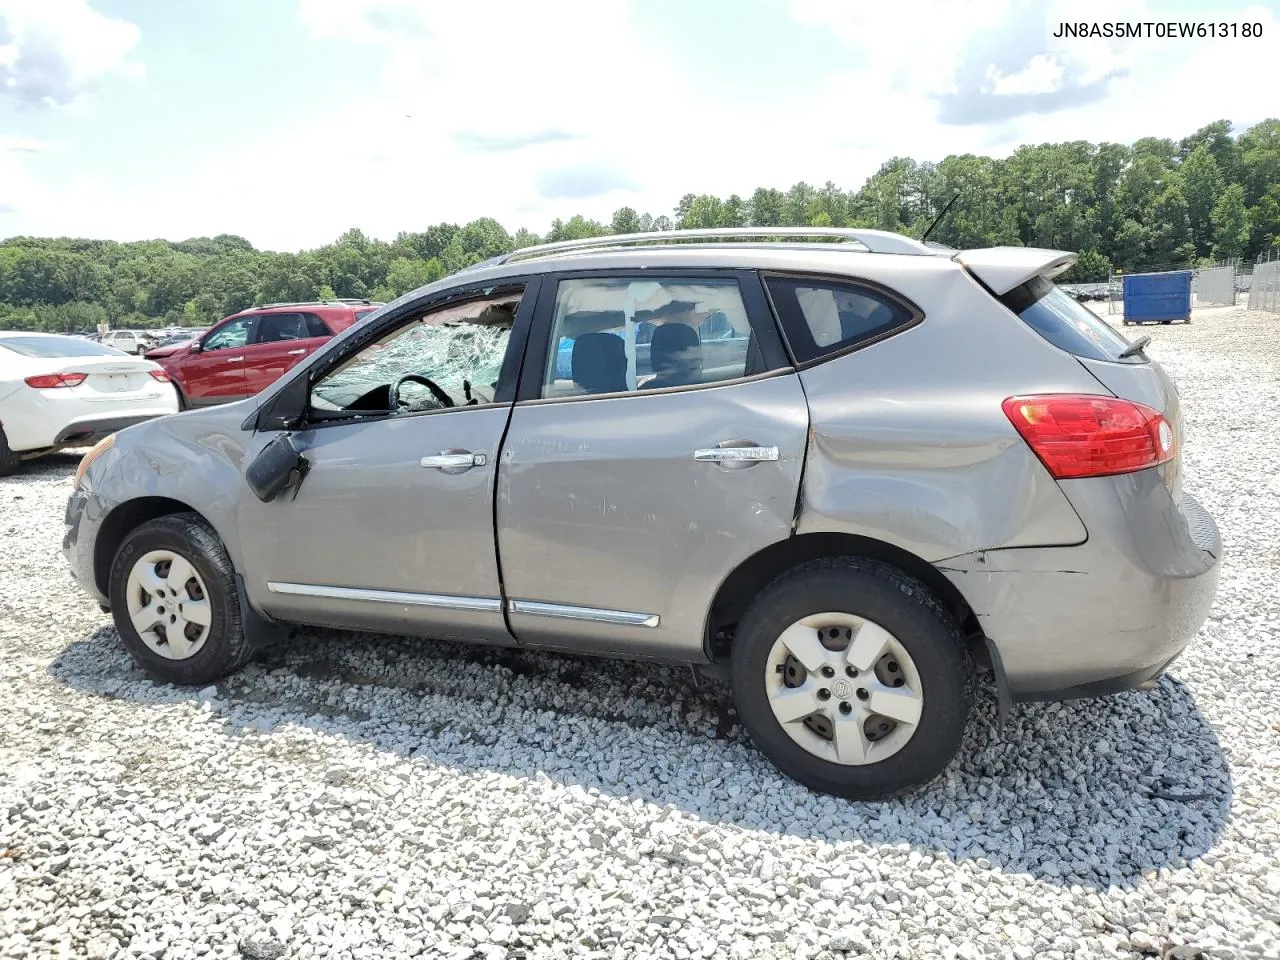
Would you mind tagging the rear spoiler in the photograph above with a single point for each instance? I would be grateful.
(1002, 268)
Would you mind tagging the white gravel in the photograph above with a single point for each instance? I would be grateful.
(353, 796)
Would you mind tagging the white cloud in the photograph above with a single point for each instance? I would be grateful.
(527, 112)
(54, 51)
(1042, 74)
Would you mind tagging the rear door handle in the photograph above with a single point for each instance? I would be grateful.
(294, 353)
(235, 359)
(736, 453)
(454, 461)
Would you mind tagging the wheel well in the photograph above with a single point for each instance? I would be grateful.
(760, 569)
(128, 516)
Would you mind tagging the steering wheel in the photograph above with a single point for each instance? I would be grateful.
(393, 391)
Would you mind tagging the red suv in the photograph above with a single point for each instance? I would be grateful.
(239, 356)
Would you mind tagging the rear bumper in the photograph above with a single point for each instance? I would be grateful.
(1107, 615)
(91, 431)
(41, 423)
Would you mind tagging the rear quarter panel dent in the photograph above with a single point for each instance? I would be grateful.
(910, 444)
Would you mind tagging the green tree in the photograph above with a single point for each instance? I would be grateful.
(1169, 243)
(523, 238)
(625, 220)
(1230, 224)
(701, 211)
(576, 228)
(1091, 267)
(734, 213)
(1259, 159)
(1203, 187)
(766, 208)
(1264, 221)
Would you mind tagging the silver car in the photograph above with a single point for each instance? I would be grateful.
(857, 472)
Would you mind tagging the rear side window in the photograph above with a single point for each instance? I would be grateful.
(315, 326)
(821, 318)
(1065, 323)
(274, 327)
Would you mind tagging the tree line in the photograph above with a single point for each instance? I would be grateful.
(1152, 205)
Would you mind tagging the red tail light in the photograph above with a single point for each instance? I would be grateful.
(1087, 436)
(50, 381)
(160, 375)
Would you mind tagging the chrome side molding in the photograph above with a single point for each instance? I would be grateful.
(565, 611)
(326, 592)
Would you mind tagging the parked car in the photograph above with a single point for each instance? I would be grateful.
(924, 461)
(248, 351)
(128, 341)
(58, 391)
(181, 337)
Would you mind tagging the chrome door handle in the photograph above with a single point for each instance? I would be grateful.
(294, 353)
(235, 359)
(455, 461)
(744, 454)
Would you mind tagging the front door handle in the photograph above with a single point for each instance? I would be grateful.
(235, 359)
(294, 353)
(454, 461)
(736, 454)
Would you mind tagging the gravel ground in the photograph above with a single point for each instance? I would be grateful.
(351, 796)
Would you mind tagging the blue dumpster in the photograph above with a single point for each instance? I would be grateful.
(1157, 297)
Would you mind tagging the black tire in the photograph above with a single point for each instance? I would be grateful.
(909, 611)
(9, 461)
(182, 397)
(226, 647)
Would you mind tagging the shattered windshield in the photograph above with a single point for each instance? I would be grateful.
(451, 356)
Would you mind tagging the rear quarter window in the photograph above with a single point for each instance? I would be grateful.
(822, 318)
(1066, 323)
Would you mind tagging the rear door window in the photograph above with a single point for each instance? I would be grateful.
(274, 327)
(1066, 323)
(822, 318)
(623, 334)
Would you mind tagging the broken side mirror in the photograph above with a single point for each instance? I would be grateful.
(277, 467)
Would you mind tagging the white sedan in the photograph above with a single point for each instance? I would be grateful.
(66, 391)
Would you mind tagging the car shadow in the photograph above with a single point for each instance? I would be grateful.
(1091, 792)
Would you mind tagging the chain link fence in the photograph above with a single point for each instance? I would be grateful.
(1264, 285)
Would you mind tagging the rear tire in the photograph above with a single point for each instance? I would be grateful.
(181, 624)
(916, 668)
(9, 461)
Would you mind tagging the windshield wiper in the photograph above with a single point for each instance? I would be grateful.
(1135, 348)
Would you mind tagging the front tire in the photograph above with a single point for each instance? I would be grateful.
(852, 678)
(174, 601)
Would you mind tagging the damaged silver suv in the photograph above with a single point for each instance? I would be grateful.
(855, 470)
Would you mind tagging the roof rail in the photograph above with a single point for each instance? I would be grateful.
(871, 241)
(335, 302)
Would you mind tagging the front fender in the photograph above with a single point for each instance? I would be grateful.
(195, 458)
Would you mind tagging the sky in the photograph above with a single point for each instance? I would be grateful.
(289, 121)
